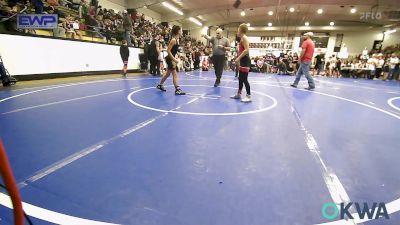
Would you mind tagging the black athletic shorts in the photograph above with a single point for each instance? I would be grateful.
(245, 61)
(171, 65)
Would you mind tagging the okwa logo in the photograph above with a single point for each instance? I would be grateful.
(331, 211)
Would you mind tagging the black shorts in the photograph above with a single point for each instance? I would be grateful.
(245, 61)
(245, 64)
(171, 65)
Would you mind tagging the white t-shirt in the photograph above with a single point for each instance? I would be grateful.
(379, 63)
(371, 63)
(332, 64)
(393, 61)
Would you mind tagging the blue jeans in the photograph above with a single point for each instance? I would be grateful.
(127, 37)
(392, 73)
(319, 68)
(304, 69)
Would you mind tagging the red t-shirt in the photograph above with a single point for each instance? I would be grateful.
(308, 46)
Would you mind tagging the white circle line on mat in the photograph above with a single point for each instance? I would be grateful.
(274, 103)
(390, 102)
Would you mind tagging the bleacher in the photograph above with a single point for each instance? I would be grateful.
(86, 35)
(69, 11)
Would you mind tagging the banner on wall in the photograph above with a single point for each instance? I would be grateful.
(377, 45)
(338, 42)
(37, 21)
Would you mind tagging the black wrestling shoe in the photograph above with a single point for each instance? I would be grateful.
(310, 88)
(178, 91)
(161, 87)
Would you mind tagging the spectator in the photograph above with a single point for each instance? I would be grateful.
(319, 63)
(338, 68)
(371, 64)
(93, 7)
(38, 6)
(108, 30)
(82, 7)
(53, 2)
(71, 28)
(127, 25)
(379, 66)
(124, 52)
(386, 67)
(327, 66)
(332, 65)
(60, 30)
(204, 65)
(282, 69)
(196, 59)
(186, 64)
(179, 64)
(154, 52)
(95, 25)
(3, 74)
(393, 66)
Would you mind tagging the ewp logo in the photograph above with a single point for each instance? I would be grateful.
(37, 21)
(331, 211)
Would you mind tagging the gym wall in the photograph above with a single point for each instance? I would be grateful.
(24, 55)
(355, 41)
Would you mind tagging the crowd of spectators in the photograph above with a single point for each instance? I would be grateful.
(370, 65)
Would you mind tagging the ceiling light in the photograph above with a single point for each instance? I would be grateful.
(332, 23)
(196, 21)
(291, 9)
(270, 13)
(242, 13)
(353, 10)
(173, 8)
(270, 24)
(307, 24)
(320, 11)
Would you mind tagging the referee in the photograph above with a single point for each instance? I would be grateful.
(220, 44)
